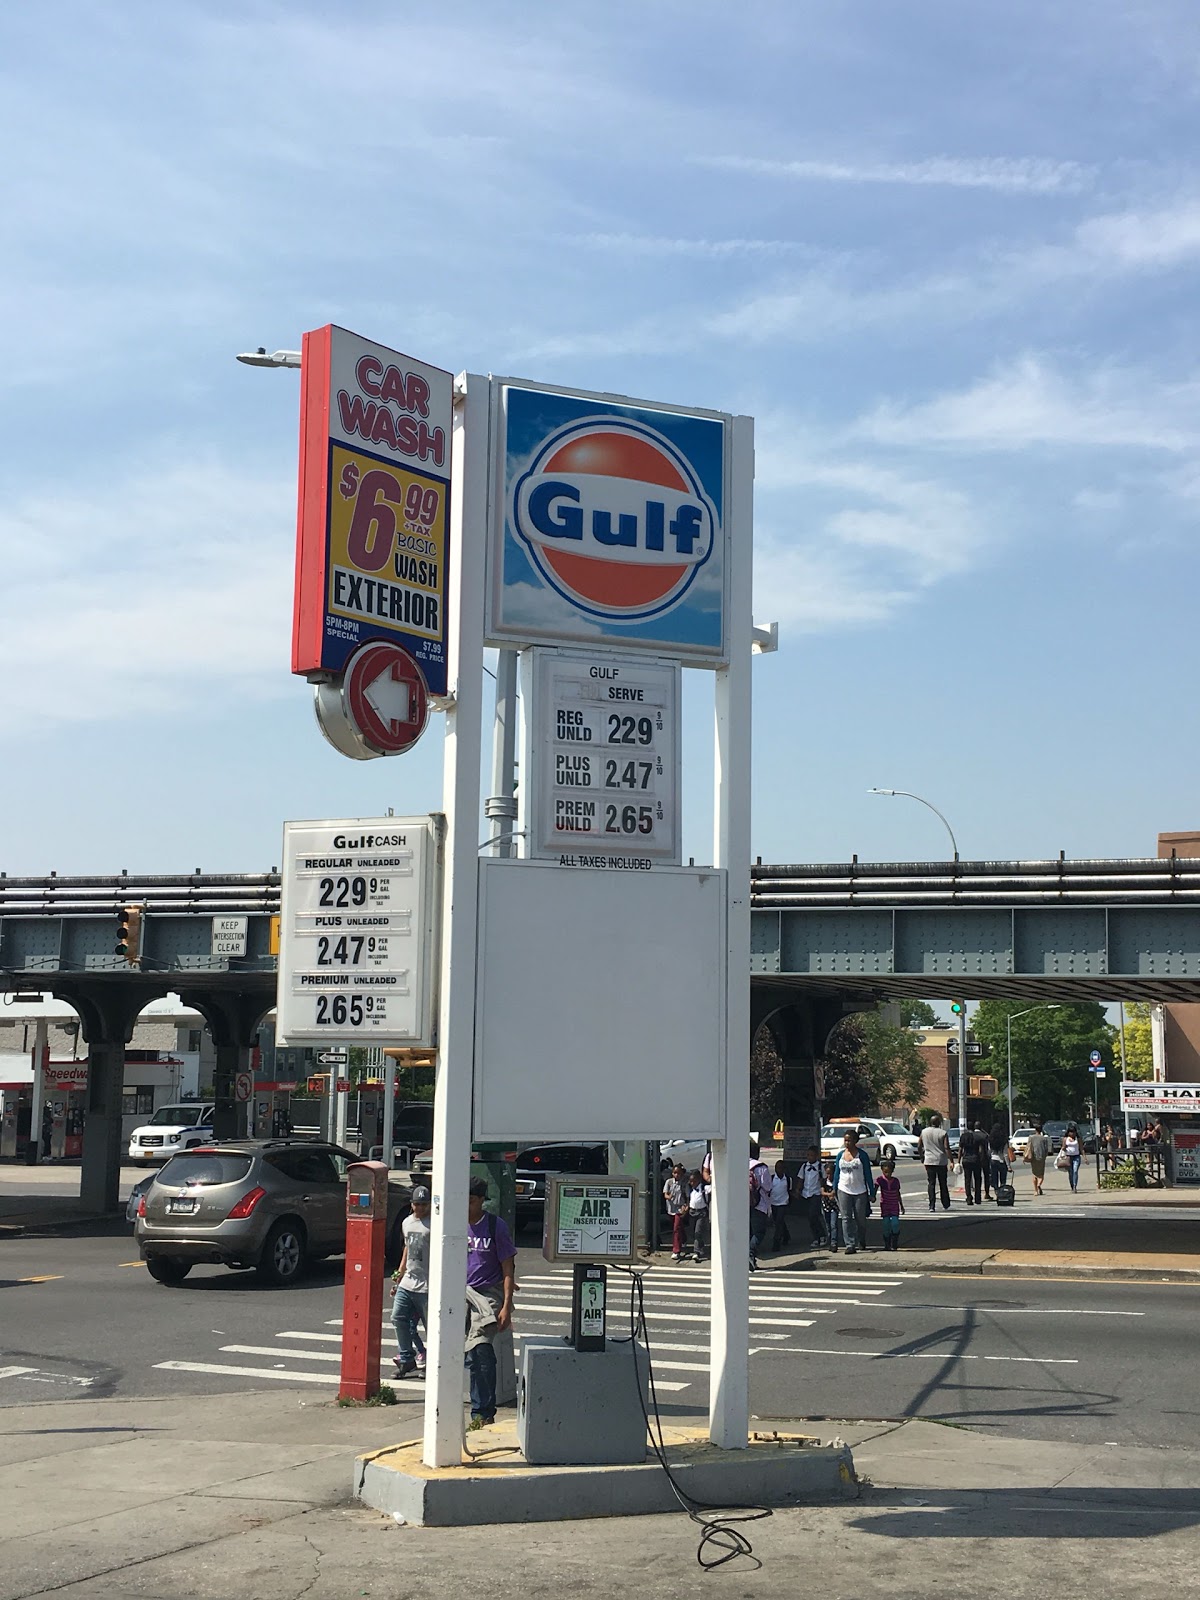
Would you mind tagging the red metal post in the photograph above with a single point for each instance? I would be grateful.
(362, 1298)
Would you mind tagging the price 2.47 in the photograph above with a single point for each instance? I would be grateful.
(338, 1010)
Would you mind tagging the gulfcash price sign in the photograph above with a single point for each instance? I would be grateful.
(608, 524)
(357, 914)
(374, 505)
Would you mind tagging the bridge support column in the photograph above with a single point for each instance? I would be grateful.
(800, 1029)
(233, 1020)
(109, 1016)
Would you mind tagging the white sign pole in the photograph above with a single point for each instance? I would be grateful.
(456, 1020)
(729, 1385)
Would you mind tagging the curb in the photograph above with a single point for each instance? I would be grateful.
(394, 1482)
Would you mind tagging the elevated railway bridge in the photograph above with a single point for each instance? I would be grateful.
(825, 939)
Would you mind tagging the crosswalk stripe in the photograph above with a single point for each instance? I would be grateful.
(246, 1372)
(665, 1297)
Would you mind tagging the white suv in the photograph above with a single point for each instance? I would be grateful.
(170, 1130)
(894, 1139)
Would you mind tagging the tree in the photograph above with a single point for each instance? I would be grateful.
(1139, 1052)
(1050, 1050)
(766, 1079)
(917, 1014)
(870, 1065)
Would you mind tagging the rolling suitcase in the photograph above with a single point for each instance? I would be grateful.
(1006, 1195)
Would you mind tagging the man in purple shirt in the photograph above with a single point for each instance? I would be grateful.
(491, 1278)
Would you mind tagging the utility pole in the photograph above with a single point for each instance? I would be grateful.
(959, 1008)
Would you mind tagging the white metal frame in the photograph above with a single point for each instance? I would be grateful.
(443, 1437)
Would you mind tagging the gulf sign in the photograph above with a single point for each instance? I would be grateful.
(372, 534)
(608, 523)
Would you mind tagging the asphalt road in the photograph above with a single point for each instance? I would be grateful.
(1030, 1358)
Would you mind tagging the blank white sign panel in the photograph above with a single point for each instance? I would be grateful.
(600, 1009)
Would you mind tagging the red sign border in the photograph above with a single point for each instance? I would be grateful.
(360, 713)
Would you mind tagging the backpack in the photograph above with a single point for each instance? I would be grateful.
(758, 1189)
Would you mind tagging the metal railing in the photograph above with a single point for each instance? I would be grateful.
(202, 894)
(1137, 881)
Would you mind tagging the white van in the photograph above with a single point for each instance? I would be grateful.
(170, 1130)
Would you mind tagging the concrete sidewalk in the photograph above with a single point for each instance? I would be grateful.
(250, 1494)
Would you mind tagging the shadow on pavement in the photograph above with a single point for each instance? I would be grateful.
(1065, 1513)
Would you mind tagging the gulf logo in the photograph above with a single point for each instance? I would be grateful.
(614, 518)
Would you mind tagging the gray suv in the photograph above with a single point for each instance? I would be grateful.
(271, 1204)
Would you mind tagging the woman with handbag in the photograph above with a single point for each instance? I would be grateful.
(1072, 1148)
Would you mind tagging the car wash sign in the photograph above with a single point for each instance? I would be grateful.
(374, 505)
(608, 523)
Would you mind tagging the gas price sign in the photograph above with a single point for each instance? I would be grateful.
(604, 760)
(356, 936)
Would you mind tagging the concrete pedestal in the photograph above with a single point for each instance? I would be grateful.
(578, 1409)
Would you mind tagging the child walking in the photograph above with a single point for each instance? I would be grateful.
(699, 1194)
(829, 1207)
(675, 1194)
(891, 1205)
(410, 1289)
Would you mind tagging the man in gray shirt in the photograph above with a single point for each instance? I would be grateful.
(935, 1153)
(1037, 1150)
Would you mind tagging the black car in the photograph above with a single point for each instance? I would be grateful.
(534, 1162)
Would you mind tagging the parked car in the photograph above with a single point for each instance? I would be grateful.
(894, 1139)
(135, 1195)
(271, 1204)
(170, 1130)
(834, 1131)
(1020, 1140)
(952, 1138)
(689, 1153)
(534, 1163)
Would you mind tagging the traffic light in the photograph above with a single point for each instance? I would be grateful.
(129, 934)
(958, 1007)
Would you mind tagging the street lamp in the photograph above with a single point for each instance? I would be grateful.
(277, 358)
(910, 796)
(1044, 1005)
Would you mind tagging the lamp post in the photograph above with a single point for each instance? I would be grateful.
(908, 795)
(1044, 1005)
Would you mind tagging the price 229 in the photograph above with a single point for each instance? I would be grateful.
(336, 1010)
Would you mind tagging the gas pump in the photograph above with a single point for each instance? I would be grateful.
(271, 1113)
(362, 1297)
(15, 1128)
(370, 1116)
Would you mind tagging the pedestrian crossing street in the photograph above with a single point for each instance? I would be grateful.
(782, 1304)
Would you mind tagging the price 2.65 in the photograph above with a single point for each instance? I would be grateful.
(628, 819)
(336, 1010)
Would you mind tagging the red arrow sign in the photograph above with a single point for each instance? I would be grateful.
(386, 697)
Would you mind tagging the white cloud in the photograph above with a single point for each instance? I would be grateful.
(862, 539)
(1027, 404)
(642, 244)
(1134, 240)
(1006, 174)
(149, 593)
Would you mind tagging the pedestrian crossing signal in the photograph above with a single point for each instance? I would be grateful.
(129, 934)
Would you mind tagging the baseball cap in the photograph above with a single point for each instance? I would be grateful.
(479, 1186)
(420, 1195)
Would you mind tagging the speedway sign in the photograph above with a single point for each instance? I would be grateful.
(374, 505)
(608, 523)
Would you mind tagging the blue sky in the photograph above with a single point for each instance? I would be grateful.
(944, 253)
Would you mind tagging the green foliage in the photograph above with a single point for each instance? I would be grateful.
(766, 1079)
(385, 1395)
(1050, 1049)
(917, 1014)
(870, 1065)
(1139, 1052)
